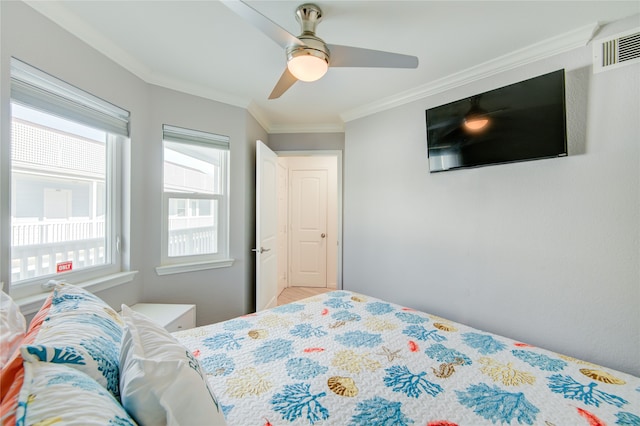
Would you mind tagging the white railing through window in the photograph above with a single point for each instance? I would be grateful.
(37, 246)
(33, 231)
(193, 241)
(192, 235)
(34, 261)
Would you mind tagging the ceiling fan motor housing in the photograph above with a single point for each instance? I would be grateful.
(313, 46)
(309, 15)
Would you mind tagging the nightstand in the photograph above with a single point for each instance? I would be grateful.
(172, 317)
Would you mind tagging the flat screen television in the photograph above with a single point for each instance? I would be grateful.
(520, 122)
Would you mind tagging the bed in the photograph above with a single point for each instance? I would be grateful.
(338, 359)
(349, 359)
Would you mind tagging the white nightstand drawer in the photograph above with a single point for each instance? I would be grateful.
(172, 317)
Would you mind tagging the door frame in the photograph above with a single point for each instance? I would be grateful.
(338, 155)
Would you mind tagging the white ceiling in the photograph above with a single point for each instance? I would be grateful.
(203, 48)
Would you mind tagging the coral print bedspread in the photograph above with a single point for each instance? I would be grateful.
(349, 359)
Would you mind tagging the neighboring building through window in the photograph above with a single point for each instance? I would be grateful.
(195, 196)
(65, 188)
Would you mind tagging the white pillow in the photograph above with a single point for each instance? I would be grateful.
(12, 327)
(56, 393)
(161, 382)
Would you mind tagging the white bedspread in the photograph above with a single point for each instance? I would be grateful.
(349, 359)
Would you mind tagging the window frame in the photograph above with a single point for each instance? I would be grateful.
(35, 89)
(187, 263)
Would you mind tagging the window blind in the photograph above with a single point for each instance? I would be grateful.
(179, 134)
(37, 89)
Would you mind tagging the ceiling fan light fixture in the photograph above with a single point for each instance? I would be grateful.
(308, 57)
(307, 64)
(476, 119)
(475, 123)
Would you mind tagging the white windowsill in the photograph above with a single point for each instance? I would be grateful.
(31, 304)
(194, 266)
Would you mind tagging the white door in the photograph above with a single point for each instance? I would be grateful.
(266, 227)
(308, 228)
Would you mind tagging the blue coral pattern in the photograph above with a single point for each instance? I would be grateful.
(224, 341)
(379, 308)
(543, 362)
(218, 365)
(410, 318)
(346, 316)
(400, 379)
(484, 343)
(289, 309)
(273, 350)
(237, 324)
(306, 331)
(585, 392)
(338, 303)
(441, 353)
(304, 368)
(421, 333)
(348, 359)
(498, 405)
(359, 339)
(296, 401)
(379, 411)
(83, 332)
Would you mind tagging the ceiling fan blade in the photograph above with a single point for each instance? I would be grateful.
(347, 56)
(497, 111)
(286, 81)
(272, 30)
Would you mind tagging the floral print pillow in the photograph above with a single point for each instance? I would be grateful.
(82, 332)
(56, 393)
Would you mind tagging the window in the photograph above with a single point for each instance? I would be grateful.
(195, 201)
(65, 182)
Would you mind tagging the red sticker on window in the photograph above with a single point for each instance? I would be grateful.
(64, 266)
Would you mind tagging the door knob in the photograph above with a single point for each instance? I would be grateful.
(323, 235)
(262, 250)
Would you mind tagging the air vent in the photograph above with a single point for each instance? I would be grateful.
(614, 52)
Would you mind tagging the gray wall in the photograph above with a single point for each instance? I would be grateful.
(218, 293)
(546, 252)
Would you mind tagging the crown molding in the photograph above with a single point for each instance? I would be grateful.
(257, 113)
(56, 12)
(579, 37)
(304, 128)
(196, 90)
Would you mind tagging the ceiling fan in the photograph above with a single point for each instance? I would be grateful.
(308, 56)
